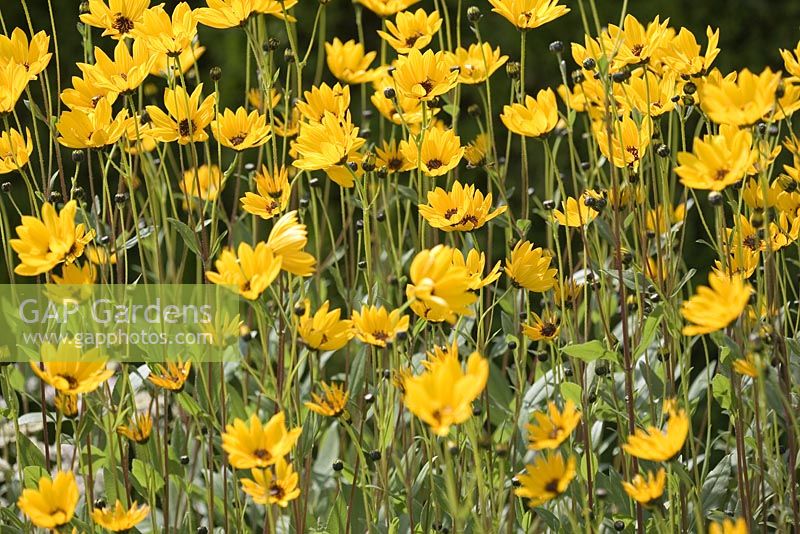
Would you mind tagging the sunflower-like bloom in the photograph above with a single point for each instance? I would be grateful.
(204, 182)
(171, 377)
(440, 290)
(54, 239)
(240, 130)
(391, 158)
(186, 118)
(348, 62)
(476, 63)
(634, 43)
(166, 67)
(684, 56)
(717, 161)
(117, 18)
(475, 262)
(478, 151)
(223, 14)
(327, 143)
(138, 429)
(546, 478)
(84, 95)
(322, 99)
(729, 526)
(250, 269)
(529, 268)
(529, 14)
(287, 240)
(791, 60)
(740, 100)
(411, 30)
(33, 56)
(53, 503)
(537, 117)
(251, 444)
(541, 328)
(273, 192)
(377, 326)
(401, 110)
(123, 74)
(442, 395)
(324, 330)
(13, 81)
(646, 490)
(66, 404)
(92, 129)
(551, 429)
(650, 94)
(167, 35)
(657, 446)
(273, 486)
(628, 143)
(70, 370)
(332, 402)
(574, 212)
(118, 518)
(660, 219)
(387, 8)
(748, 366)
(715, 307)
(15, 150)
(464, 208)
(424, 76)
(440, 152)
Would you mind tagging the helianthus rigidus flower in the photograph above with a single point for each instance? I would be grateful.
(251, 444)
(53, 503)
(327, 143)
(424, 76)
(165, 34)
(204, 182)
(172, 376)
(440, 290)
(250, 269)
(276, 485)
(15, 150)
(348, 62)
(729, 526)
(714, 307)
(138, 429)
(332, 402)
(550, 429)
(117, 18)
(438, 154)
(69, 369)
(476, 63)
(322, 99)
(535, 118)
(324, 330)
(575, 212)
(657, 446)
(92, 129)
(13, 81)
(717, 161)
(272, 196)
(411, 30)
(375, 325)
(645, 490)
(240, 130)
(186, 118)
(546, 478)
(740, 100)
(287, 239)
(541, 329)
(628, 141)
(529, 268)
(118, 518)
(464, 208)
(124, 73)
(33, 56)
(529, 14)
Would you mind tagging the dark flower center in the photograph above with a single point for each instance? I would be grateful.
(71, 380)
(276, 491)
(185, 127)
(449, 213)
(395, 163)
(552, 486)
(637, 49)
(548, 329)
(380, 335)
(469, 219)
(262, 454)
(427, 85)
(237, 140)
(633, 151)
(721, 174)
(122, 23)
(434, 164)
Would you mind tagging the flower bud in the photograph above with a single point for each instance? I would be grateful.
(512, 69)
(215, 73)
(474, 14)
(557, 47)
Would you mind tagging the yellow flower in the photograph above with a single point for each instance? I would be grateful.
(166, 35)
(139, 429)
(84, 95)
(660, 219)
(537, 117)
(729, 526)
(70, 370)
(172, 377)
(650, 94)
(387, 8)
(575, 211)
(327, 144)
(377, 326)
(541, 329)
(657, 446)
(646, 490)
(477, 63)
(53, 503)
(440, 152)
(276, 8)
(546, 478)
(714, 308)
(475, 263)
(717, 161)
(251, 444)
(424, 76)
(439, 288)
(15, 150)
(223, 14)
(250, 270)
(167, 67)
(92, 129)
(478, 151)
(742, 261)
(442, 395)
(287, 240)
(401, 110)
(348, 62)
(684, 57)
(33, 57)
(123, 74)
(45, 243)
(118, 18)
(324, 330)
(529, 14)
(322, 99)
(791, 60)
(391, 158)
(529, 268)
(332, 402)
(240, 130)
(204, 183)
(551, 429)
(273, 194)
(633, 43)
(628, 143)
(273, 487)
(411, 30)
(567, 293)
(66, 404)
(748, 366)
(740, 100)
(13, 81)
(186, 118)
(464, 208)
(118, 519)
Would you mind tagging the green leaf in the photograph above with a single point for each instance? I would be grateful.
(589, 351)
(146, 476)
(31, 455)
(189, 237)
(649, 331)
(571, 391)
(721, 387)
(714, 494)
